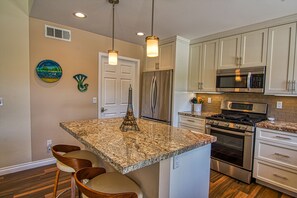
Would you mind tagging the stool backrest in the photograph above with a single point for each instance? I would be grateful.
(90, 173)
(74, 163)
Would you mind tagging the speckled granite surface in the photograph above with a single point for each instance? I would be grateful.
(128, 151)
(197, 114)
(279, 125)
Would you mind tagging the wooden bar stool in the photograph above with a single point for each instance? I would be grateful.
(70, 159)
(106, 185)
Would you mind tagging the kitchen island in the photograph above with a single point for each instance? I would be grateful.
(165, 161)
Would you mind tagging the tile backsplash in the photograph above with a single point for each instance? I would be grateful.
(287, 113)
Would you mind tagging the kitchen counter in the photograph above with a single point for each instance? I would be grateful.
(129, 151)
(279, 125)
(165, 161)
(197, 114)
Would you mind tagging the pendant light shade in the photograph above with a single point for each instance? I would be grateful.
(113, 54)
(152, 42)
(112, 57)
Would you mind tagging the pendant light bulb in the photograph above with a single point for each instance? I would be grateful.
(113, 54)
(152, 42)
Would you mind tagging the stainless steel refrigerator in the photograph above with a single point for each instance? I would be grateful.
(157, 95)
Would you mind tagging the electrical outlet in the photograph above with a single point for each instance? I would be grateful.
(209, 100)
(49, 145)
(279, 104)
(94, 100)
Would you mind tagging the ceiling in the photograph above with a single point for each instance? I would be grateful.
(187, 18)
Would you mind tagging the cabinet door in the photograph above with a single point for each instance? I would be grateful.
(254, 48)
(151, 63)
(229, 52)
(166, 56)
(209, 66)
(194, 66)
(280, 60)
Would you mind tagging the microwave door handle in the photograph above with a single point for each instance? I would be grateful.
(227, 131)
(249, 80)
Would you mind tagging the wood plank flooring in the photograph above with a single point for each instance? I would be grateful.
(39, 183)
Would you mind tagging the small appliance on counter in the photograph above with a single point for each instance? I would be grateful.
(156, 96)
(232, 153)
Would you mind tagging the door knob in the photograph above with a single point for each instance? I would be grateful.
(102, 109)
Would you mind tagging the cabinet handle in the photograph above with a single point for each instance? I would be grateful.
(190, 120)
(289, 85)
(282, 177)
(240, 61)
(201, 86)
(283, 138)
(198, 85)
(281, 155)
(294, 83)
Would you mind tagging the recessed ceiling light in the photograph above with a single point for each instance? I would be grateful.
(79, 15)
(140, 34)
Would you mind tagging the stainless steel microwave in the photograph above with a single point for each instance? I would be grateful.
(241, 80)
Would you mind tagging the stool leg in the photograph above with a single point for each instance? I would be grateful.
(56, 183)
(72, 186)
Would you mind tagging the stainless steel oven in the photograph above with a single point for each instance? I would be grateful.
(241, 80)
(233, 147)
(232, 153)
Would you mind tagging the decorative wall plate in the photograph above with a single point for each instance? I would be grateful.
(49, 71)
(80, 78)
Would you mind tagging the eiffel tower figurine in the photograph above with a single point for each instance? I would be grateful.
(129, 122)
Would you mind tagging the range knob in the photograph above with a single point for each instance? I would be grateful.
(210, 121)
(237, 126)
(226, 124)
(243, 127)
(215, 122)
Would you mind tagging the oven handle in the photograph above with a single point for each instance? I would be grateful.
(227, 131)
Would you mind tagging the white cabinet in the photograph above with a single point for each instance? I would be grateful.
(244, 50)
(276, 159)
(192, 123)
(202, 67)
(164, 61)
(280, 78)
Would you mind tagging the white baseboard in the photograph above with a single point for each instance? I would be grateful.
(26, 166)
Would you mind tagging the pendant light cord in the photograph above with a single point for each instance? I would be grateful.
(153, 8)
(113, 26)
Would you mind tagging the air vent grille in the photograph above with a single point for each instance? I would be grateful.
(57, 33)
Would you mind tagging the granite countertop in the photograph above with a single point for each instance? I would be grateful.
(279, 125)
(197, 114)
(129, 151)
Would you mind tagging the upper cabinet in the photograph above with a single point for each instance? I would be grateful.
(244, 50)
(202, 66)
(164, 61)
(280, 76)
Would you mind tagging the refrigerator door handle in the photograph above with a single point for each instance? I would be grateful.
(151, 93)
(155, 93)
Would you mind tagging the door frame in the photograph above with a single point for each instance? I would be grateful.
(137, 81)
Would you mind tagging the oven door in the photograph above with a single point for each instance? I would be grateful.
(233, 147)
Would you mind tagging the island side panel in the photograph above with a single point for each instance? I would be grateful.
(189, 174)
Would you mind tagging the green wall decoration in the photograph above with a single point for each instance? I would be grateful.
(80, 78)
(49, 71)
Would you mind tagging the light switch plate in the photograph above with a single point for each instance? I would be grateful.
(94, 100)
(1, 102)
(279, 104)
(175, 162)
(209, 100)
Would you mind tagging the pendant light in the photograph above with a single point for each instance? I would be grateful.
(113, 54)
(152, 42)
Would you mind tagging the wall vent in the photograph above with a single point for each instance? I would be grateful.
(57, 33)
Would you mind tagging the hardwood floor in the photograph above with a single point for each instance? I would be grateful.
(39, 183)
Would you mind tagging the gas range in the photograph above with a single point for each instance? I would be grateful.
(232, 153)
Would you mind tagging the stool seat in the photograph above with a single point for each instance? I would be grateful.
(80, 154)
(114, 183)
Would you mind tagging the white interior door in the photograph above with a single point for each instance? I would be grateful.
(114, 82)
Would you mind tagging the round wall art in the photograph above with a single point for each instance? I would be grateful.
(49, 71)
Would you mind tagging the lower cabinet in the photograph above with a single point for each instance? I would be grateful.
(192, 123)
(275, 160)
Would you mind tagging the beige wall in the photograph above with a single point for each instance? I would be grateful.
(15, 134)
(287, 113)
(61, 101)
